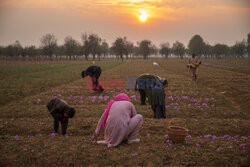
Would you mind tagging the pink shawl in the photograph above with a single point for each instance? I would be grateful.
(119, 97)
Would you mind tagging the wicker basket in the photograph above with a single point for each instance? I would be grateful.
(177, 134)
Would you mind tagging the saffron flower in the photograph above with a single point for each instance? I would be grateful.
(16, 137)
(242, 145)
(106, 98)
(135, 155)
(218, 150)
(52, 134)
(166, 136)
(133, 97)
(215, 137)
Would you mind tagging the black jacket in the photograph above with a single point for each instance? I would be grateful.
(94, 71)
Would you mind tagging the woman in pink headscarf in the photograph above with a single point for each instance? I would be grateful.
(120, 122)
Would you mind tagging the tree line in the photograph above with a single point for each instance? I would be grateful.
(93, 46)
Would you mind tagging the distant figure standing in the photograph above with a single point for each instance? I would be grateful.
(120, 122)
(193, 63)
(94, 72)
(60, 111)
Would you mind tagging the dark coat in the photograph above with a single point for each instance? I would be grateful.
(94, 71)
(145, 83)
(158, 103)
(57, 107)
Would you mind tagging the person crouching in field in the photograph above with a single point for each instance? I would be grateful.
(120, 122)
(94, 72)
(193, 63)
(61, 112)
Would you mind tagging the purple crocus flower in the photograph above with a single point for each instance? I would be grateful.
(185, 97)
(226, 136)
(148, 134)
(133, 97)
(38, 100)
(183, 147)
(106, 98)
(242, 145)
(189, 136)
(215, 137)
(230, 147)
(170, 144)
(197, 145)
(166, 136)
(52, 134)
(207, 136)
(70, 134)
(16, 137)
(135, 155)
(218, 150)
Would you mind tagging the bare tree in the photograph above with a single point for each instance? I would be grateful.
(220, 50)
(165, 49)
(119, 47)
(48, 45)
(248, 44)
(71, 47)
(178, 49)
(240, 48)
(145, 48)
(196, 45)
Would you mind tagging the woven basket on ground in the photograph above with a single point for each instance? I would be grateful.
(177, 134)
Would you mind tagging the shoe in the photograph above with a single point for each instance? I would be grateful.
(133, 141)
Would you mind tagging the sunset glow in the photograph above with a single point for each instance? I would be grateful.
(222, 21)
(143, 15)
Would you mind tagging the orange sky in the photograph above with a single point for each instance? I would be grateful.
(217, 21)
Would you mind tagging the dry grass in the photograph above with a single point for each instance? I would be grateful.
(218, 105)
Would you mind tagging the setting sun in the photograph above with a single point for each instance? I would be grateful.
(143, 15)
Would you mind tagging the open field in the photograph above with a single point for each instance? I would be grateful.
(216, 109)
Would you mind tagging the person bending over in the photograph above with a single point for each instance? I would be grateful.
(94, 72)
(61, 112)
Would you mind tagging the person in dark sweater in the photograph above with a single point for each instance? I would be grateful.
(94, 72)
(145, 83)
(158, 102)
(61, 112)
